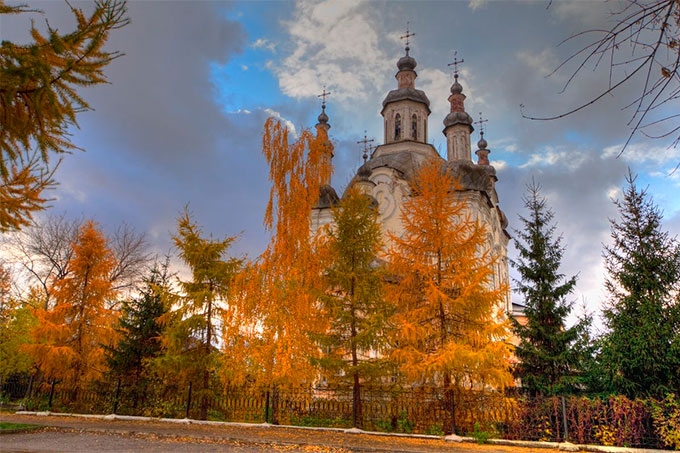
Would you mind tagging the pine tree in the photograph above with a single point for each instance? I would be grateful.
(548, 361)
(67, 342)
(450, 326)
(355, 304)
(192, 337)
(39, 102)
(641, 350)
(139, 329)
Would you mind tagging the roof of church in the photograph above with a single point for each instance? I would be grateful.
(457, 118)
(406, 93)
(328, 197)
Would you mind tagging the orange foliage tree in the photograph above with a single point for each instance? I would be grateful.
(39, 101)
(67, 342)
(269, 333)
(450, 327)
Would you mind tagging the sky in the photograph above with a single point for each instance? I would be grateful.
(181, 121)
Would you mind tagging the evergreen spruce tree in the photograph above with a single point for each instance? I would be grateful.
(140, 329)
(546, 352)
(641, 351)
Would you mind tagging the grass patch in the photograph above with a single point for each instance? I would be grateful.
(7, 426)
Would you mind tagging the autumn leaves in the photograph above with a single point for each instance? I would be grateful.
(335, 305)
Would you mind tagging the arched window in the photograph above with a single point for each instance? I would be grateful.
(397, 127)
(414, 127)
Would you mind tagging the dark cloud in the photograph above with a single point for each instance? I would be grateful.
(158, 139)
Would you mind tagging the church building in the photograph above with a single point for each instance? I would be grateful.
(385, 175)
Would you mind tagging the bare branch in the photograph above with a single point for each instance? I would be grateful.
(646, 33)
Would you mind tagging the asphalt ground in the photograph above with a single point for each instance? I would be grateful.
(79, 434)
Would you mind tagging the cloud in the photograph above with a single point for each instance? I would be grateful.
(336, 45)
(474, 5)
(642, 153)
(499, 165)
(263, 43)
(289, 124)
(567, 158)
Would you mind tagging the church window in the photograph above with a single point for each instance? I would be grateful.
(414, 127)
(397, 127)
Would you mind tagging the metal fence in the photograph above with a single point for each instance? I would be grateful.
(482, 414)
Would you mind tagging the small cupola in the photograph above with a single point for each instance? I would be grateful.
(406, 109)
(482, 151)
(458, 123)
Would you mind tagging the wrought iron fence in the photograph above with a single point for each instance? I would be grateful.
(608, 421)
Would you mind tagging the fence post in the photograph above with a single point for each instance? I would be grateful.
(186, 413)
(564, 419)
(115, 397)
(49, 402)
(266, 408)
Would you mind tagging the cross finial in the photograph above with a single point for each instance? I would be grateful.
(407, 36)
(365, 142)
(455, 64)
(481, 124)
(323, 97)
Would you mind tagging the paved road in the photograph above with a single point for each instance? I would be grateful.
(74, 434)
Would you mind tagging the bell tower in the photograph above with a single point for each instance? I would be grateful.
(458, 123)
(406, 109)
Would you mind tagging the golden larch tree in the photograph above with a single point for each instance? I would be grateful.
(67, 342)
(450, 325)
(279, 305)
(39, 101)
(354, 346)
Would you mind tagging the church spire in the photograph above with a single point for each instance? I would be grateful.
(323, 118)
(482, 152)
(322, 134)
(406, 109)
(458, 123)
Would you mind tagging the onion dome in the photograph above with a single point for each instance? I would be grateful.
(456, 88)
(482, 144)
(458, 115)
(364, 171)
(328, 197)
(407, 62)
(482, 152)
(323, 118)
(454, 118)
